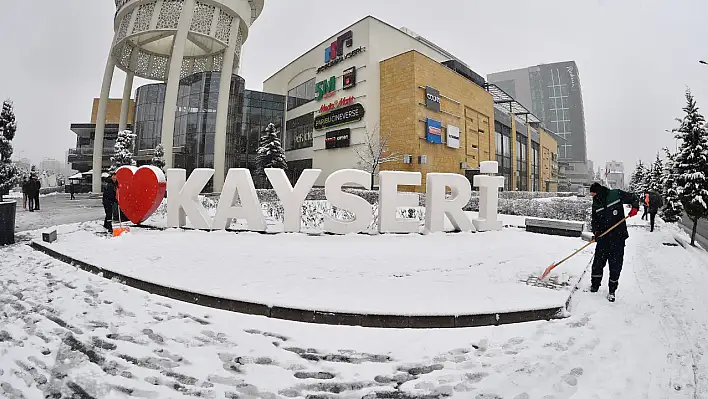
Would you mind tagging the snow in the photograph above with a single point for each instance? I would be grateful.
(649, 344)
(437, 274)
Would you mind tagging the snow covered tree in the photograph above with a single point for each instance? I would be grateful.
(123, 151)
(158, 158)
(656, 180)
(270, 151)
(691, 163)
(672, 211)
(373, 153)
(636, 182)
(9, 173)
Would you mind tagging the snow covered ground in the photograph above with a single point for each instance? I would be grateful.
(65, 332)
(438, 274)
(58, 209)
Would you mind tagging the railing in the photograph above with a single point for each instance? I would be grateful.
(88, 151)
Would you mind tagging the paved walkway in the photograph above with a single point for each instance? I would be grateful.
(58, 209)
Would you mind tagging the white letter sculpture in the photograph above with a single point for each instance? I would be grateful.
(436, 206)
(390, 199)
(183, 198)
(488, 197)
(292, 198)
(239, 182)
(356, 205)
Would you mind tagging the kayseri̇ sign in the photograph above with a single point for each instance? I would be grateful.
(432, 98)
(334, 54)
(453, 136)
(337, 104)
(342, 116)
(183, 200)
(338, 138)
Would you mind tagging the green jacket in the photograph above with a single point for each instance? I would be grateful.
(608, 210)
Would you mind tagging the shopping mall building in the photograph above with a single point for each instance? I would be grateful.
(367, 84)
(372, 82)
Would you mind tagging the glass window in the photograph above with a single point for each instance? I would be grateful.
(210, 122)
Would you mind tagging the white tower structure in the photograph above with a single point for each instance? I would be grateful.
(166, 40)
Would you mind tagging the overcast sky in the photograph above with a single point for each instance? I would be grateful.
(635, 57)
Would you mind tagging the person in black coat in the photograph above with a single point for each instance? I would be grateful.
(109, 200)
(37, 187)
(608, 211)
(655, 202)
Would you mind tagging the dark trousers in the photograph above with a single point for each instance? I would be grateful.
(644, 215)
(72, 195)
(108, 221)
(33, 202)
(36, 202)
(611, 252)
(652, 216)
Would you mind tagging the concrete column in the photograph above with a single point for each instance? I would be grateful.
(101, 124)
(168, 115)
(125, 104)
(222, 108)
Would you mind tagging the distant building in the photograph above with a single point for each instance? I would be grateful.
(52, 166)
(614, 171)
(553, 93)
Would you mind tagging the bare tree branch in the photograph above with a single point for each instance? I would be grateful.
(374, 152)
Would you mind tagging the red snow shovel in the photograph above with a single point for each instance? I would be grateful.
(554, 265)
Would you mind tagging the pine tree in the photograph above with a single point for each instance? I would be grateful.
(8, 127)
(656, 181)
(158, 159)
(270, 151)
(636, 183)
(672, 210)
(691, 163)
(123, 151)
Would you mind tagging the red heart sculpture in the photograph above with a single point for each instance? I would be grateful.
(140, 191)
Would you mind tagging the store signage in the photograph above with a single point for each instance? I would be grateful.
(338, 138)
(349, 114)
(453, 136)
(349, 78)
(334, 54)
(337, 104)
(326, 88)
(432, 98)
(433, 131)
(183, 200)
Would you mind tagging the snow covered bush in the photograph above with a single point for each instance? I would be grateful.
(123, 151)
(9, 173)
(691, 163)
(672, 210)
(158, 158)
(270, 151)
(636, 182)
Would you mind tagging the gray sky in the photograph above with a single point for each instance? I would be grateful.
(635, 57)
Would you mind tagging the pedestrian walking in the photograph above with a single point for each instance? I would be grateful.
(35, 191)
(646, 206)
(71, 190)
(25, 187)
(655, 202)
(32, 193)
(608, 210)
(109, 200)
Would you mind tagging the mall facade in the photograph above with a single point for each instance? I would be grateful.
(374, 83)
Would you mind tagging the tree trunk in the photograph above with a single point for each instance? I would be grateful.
(693, 233)
(372, 181)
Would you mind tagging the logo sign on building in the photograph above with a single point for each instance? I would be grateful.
(349, 78)
(433, 131)
(334, 54)
(432, 98)
(453, 136)
(338, 138)
(326, 88)
(344, 101)
(342, 116)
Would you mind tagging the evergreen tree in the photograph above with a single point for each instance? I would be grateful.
(672, 211)
(123, 151)
(8, 127)
(691, 163)
(656, 181)
(636, 183)
(158, 159)
(270, 151)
